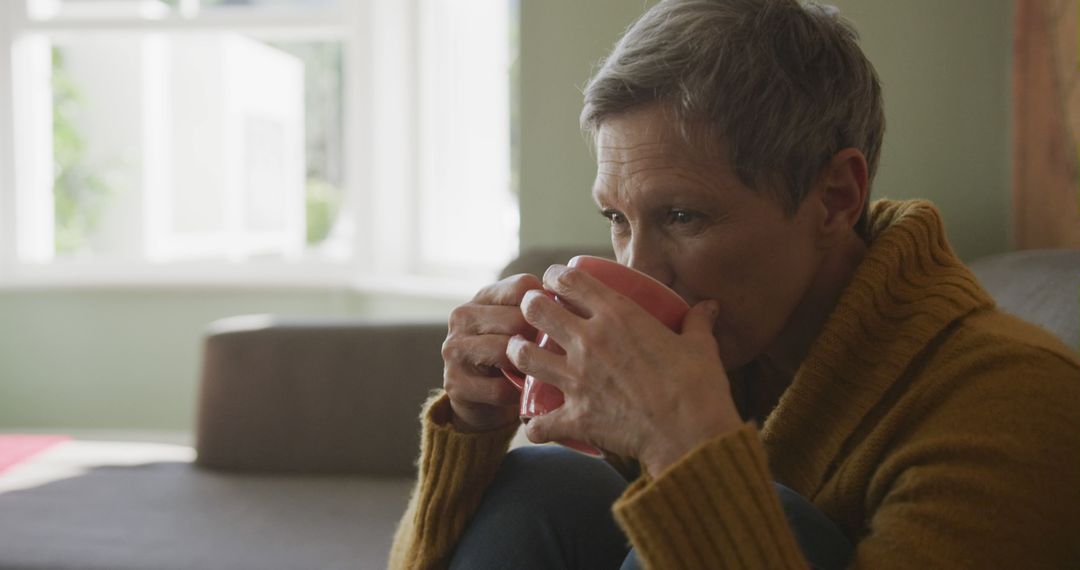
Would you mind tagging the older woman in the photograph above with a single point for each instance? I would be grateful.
(905, 421)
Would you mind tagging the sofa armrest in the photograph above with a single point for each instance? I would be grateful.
(315, 396)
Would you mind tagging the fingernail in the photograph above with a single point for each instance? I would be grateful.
(553, 270)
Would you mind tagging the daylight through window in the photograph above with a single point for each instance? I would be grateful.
(315, 141)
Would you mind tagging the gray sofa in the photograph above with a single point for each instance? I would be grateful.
(1041, 286)
(306, 441)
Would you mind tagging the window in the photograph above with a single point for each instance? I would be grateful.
(256, 141)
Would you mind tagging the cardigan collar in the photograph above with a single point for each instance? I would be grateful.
(905, 292)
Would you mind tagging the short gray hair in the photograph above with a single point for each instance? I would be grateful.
(784, 84)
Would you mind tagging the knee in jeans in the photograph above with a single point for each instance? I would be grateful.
(552, 478)
(547, 505)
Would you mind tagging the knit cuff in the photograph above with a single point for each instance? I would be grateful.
(456, 469)
(440, 434)
(714, 508)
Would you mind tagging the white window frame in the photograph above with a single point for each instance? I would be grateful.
(380, 43)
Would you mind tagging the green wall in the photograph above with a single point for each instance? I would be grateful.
(946, 71)
(561, 41)
(129, 359)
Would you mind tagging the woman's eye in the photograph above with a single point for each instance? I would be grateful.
(681, 217)
(614, 217)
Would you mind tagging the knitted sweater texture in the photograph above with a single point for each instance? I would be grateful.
(935, 430)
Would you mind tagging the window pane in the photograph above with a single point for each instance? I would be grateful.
(190, 146)
(102, 9)
(468, 202)
(324, 118)
(274, 3)
(155, 9)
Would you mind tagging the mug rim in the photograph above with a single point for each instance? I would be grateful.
(669, 291)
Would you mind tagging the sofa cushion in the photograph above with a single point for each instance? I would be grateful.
(121, 506)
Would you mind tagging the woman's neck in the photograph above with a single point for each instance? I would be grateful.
(782, 360)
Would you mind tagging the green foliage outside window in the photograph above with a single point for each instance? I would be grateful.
(323, 205)
(323, 117)
(79, 194)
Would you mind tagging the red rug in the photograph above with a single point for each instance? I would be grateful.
(15, 448)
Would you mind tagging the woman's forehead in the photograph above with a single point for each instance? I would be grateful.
(648, 126)
(643, 148)
(644, 186)
(651, 134)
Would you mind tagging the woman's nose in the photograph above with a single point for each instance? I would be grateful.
(649, 260)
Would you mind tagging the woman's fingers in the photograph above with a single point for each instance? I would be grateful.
(475, 389)
(558, 424)
(480, 396)
(698, 324)
(495, 310)
(544, 313)
(508, 291)
(473, 319)
(475, 350)
(541, 363)
(472, 373)
(482, 353)
(582, 292)
(587, 310)
(481, 402)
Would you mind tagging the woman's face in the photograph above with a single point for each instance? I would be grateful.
(690, 223)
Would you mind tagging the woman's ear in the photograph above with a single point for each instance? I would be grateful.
(843, 192)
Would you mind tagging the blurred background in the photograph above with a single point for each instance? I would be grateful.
(166, 163)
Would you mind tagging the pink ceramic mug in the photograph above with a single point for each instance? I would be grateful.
(538, 398)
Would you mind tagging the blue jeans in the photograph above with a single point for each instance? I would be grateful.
(550, 508)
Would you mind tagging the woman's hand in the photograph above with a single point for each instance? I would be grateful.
(631, 385)
(475, 349)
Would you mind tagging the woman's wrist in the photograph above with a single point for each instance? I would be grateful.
(491, 420)
(667, 451)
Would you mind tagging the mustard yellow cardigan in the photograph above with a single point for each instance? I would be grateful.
(936, 431)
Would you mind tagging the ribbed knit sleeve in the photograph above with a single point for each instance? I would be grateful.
(455, 469)
(714, 508)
